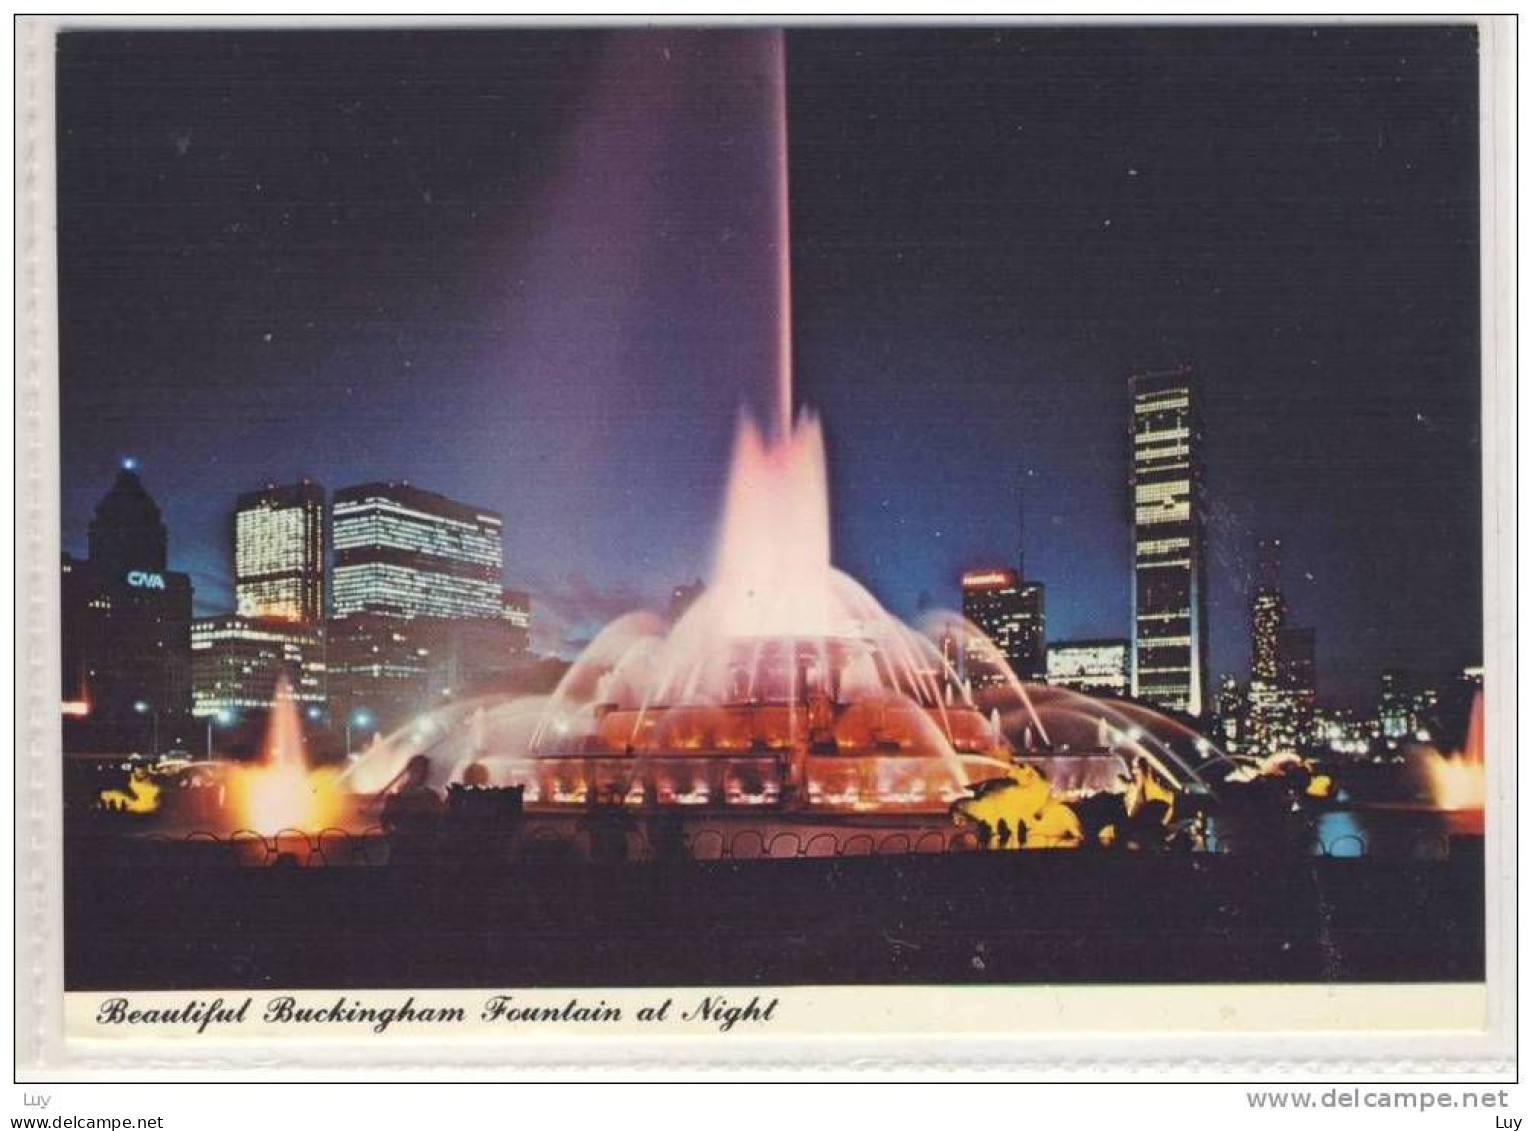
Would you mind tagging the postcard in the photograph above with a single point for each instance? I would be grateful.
(604, 542)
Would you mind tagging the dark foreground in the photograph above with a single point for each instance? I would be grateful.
(1019, 918)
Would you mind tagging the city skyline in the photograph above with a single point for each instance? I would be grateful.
(900, 351)
(1016, 625)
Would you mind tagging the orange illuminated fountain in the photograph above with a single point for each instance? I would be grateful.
(1457, 780)
(281, 791)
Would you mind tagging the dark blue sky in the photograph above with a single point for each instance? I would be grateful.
(533, 270)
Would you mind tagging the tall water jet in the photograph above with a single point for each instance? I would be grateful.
(771, 574)
(784, 373)
(280, 791)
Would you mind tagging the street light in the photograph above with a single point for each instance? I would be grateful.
(143, 708)
(223, 717)
(359, 719)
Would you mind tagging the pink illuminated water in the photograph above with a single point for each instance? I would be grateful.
(772, 574)
(786, 682)
(784, 372)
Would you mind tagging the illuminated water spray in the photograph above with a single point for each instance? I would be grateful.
(786, 684)
(1457, 780)
(281, 791)
(783, 217)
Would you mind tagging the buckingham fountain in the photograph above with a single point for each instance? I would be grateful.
(786, 689)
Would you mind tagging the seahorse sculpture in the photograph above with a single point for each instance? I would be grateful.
(1031, 816)
(141, 796)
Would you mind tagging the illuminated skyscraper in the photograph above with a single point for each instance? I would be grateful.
(1010, 612)
(1233, 707)
(1269, 723)
(1396, 716)
(1297, 676)
(379, 670)
(1268, 612)
(1169, 667)
(387, 668)
(516, 608)
(1282, 668)
(404, 552)
(420, 615)
(1096, 667)
(1030, 658)
(237, 663)
(279, 554)
(125, 628)
(127, 531)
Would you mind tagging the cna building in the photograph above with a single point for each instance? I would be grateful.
(125, 631)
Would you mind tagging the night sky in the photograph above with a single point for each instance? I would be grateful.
(533, 270)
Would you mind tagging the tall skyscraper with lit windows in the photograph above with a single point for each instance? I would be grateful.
(1282, 668)
(1169, 664)
(404, 552)
(279, 554)
(419, 613)
(237, 663)
(1268, 611)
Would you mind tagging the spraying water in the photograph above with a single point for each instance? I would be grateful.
(785, 684)
(1457, 780)
(784, 372)
(281, 792)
